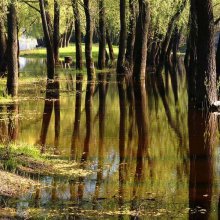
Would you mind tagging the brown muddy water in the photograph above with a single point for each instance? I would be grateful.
(150, 156)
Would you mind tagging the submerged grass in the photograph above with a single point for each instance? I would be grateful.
(29, 160)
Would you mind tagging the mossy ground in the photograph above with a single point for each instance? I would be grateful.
(26, 161)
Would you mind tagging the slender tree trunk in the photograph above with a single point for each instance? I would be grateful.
(12, 79)
(206, 90)
(3, 46)
(193, 54)
(110, 47)
(64, 40)
(78, 39)
(176, 43)
(48, 42)
(140, 48)
(167, 38)
(218, 59)
(102, 35)
(123, 38)
(131, 35)
(69, 33)
(56, 31)
(88, 41)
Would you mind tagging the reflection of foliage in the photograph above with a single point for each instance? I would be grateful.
(164, 182)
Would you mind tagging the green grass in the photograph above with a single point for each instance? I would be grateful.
(9, 153)
(68, 51)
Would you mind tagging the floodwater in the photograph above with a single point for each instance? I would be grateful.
(149, 155)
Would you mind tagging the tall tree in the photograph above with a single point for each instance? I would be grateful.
(123, 37)
(79, 60)
(205, 78)
(56, 30)
(140, 48)
(218, 59)
(48, 41)
(88, 40)
(131, 34)
(12, 78)
(102, 35)
(3, 46)
(166, 41)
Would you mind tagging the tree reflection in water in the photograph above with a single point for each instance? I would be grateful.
(202, 133)
(52, 101)
(136, 145)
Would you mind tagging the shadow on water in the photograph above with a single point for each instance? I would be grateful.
(149, 156)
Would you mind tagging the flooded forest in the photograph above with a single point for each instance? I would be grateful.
(109, 109)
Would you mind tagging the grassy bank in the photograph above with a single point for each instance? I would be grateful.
(18, 162)
(68, 51)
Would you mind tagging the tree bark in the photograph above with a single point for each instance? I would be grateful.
(56, 31)
(88, 41)
(140, 48)
(48, 42)
(192, 54)
(131, 35)
(218, 60)
(102, 35)
(3, 46)
(167, 38)
(110, 47)
(176, 43)
(206, 90)
(69, 33)
(12, 78)
(123, 38)
(78, 39)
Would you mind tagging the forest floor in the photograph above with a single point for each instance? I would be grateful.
(18, 163)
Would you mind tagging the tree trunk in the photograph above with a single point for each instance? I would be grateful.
(131, 35)
(218, 59)
(69, 33)
(88, 41)
(48, 42)
(140, 48)
(176, 43)
(193, 54)
(12, 79)
(64, 40)
(3, 46)
(102, 35)
(123, 38)
(110, 47)
(167, 38)
(56, 31)
(79, 59)
(206, 91)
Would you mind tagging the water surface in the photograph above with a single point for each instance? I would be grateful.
(149, 155)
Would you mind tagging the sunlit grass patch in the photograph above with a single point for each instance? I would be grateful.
(29, 159)
(67, 51)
